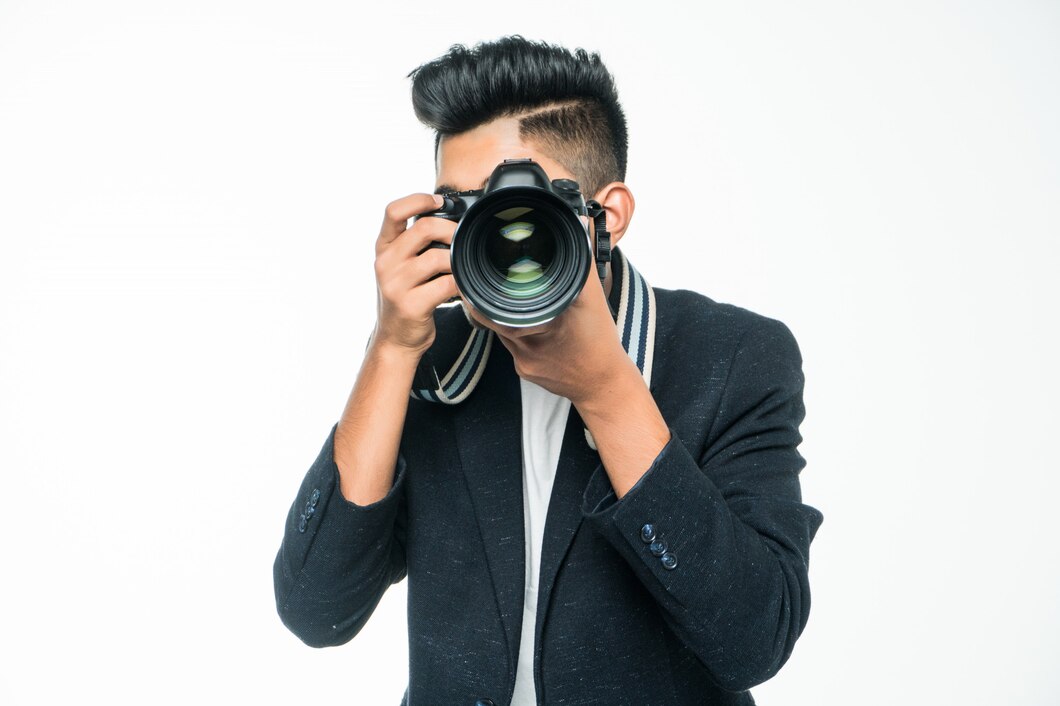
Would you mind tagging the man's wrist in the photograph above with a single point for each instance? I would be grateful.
(608, 391)
(626, 424)
(393, 354)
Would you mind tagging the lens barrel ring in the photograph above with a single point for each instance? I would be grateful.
(481, 279)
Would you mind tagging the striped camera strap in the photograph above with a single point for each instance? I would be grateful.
(635, 321)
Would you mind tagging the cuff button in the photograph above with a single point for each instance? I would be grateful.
(647, 533)
(658, 548)
(669, 561)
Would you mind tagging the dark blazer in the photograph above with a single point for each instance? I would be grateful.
(615, 623)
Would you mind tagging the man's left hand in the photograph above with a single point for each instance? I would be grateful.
(576, 354)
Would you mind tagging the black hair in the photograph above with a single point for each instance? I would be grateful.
(566, 102)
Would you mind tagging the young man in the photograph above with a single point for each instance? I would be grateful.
(613, 515)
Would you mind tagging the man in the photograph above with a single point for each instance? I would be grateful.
(660, 558)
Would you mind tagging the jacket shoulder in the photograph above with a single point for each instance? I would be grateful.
(688, 318)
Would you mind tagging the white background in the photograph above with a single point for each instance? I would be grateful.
(189, 193)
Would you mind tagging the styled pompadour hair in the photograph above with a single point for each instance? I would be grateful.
(566, 102)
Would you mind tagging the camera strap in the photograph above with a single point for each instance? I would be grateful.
(634, 319)
(601, 237)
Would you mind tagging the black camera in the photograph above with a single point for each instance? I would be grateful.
(521, 253)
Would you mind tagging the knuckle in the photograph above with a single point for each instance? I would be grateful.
(381, 267)
(421, 229)
(441, 256)
(445, 228)
(435, 227)
(393, 211)
(390, 289)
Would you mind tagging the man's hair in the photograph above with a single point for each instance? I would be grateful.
(566, 103)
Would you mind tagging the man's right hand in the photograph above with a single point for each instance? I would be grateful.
(368, 435)
(404, 267)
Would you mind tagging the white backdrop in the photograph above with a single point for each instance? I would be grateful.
(189, 193)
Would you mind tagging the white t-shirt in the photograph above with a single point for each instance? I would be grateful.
(544, 420)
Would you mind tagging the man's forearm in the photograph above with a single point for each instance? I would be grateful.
(369, 432)
(627, 426)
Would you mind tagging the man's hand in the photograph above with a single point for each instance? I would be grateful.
(411, 283)
(412, 280)
(579, 355)
(575, 354)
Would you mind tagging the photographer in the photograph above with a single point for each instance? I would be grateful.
(606, 509)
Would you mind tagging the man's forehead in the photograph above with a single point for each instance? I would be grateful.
(465, 161)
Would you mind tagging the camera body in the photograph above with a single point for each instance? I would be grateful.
(521, 252)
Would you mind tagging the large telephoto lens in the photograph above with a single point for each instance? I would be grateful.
(521, 256)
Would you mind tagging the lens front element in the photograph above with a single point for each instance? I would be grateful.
(520, 252)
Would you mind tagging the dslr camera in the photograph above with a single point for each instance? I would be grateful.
(521, 252)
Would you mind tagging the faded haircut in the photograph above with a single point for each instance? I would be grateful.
(566, 102)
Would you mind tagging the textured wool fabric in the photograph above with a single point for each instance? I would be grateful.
(615, 624)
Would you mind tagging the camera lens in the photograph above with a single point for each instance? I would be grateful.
(521, 256)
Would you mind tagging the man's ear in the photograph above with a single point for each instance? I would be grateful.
(617, 200)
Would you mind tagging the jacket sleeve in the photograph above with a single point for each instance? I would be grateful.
(337, 558)
(722, 542)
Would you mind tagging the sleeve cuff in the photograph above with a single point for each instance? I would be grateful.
(341, 504)
(600, 497)
(320, 510)
(663, 523)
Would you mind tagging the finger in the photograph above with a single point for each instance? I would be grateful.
(436, 292)
(397, 214)
(591, 294)
(527, 332)
(422, 233)
(508, 343)
(479, 321)
(421, 268)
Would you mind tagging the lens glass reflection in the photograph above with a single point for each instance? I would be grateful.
(520, 247)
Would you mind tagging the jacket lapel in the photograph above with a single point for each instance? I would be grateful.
(489, 442)
(488, 429)
(577, 461)
(576, 465)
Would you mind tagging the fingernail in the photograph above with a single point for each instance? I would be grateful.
(438, 200)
